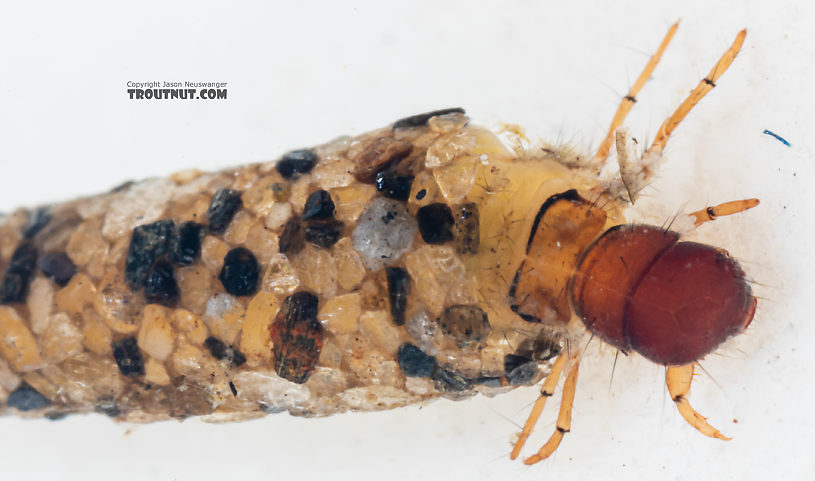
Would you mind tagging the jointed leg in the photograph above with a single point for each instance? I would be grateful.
(548, 388)
(728, 208)
(564, 418)
(628, 101)
(636, 174)
(678, 380)
(705, 86)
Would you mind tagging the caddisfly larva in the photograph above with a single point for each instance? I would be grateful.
(422, 260)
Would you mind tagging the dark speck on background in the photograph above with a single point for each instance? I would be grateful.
(414, 362)
(19, 273)
(186, 244)
(26, 398)
(435, 223)
(128, 357)
(225, 203)
(296, 162)
(58, 267)
(148, 243)
(37, 220)
(240, 273)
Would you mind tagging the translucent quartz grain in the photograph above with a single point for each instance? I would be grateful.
(333, 171)
(86, 243)
(384, 233)
(374, 398)
(350, 270)
(91, 380)
(317, 270)
(492, 361)
(447, 122)
(256, 343)
(155, 373)
(467, 364)
(262, 242)
(8, 380)
(191, 208)
(279, 214)
(371, 367)
(326, 382)
(80, 292)
(40, 303)
(374, 294)
(377, 325)
(187, 360)
(456, 179)
(114, 301)
(351, 201)
(300, 192)
(156, 336)
(340, 314)
(96, 336)
(17, 345)
(424, 190)
(331, 354)
(191, 325)
(420, 386)
(238, 229)
(213, 251)
(274, 391)
(224, 316)
(195, 285)
(141, 203)
(448, 148)
(280, 277)
(433, 269)
(261, 196)
(61, 339)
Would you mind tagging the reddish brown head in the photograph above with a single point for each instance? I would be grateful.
(639, 288)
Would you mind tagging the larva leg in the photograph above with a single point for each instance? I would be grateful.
(637, 175)
(548, 388)
(728, 208)
(678, 380)
(705, 86)
(564, 418)
(627, 103)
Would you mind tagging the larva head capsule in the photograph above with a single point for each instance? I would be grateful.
(640, 289)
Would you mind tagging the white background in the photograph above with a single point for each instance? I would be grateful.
(300, 75)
